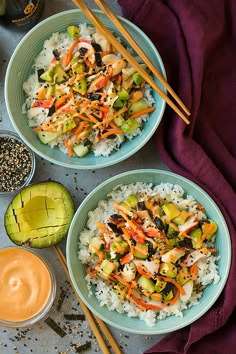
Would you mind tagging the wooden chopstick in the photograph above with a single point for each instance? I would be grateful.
(119, 47)
(88, 314)
(113, 18)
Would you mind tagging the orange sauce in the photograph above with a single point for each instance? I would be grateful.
(25, 284)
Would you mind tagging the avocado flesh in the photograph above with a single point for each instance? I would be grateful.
(39, 215)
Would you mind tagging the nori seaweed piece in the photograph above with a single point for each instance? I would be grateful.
(55, 327)
(61, 299)
(74, 317)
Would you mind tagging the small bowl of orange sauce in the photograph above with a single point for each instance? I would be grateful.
(27, 287)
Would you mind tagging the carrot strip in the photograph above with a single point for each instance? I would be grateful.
(78, 129)
(140, 113)
(121, 280)
(145, 305)
(92, 118)
(68, 55)
(68, 144)
(112, 131)
(208, 230)
(194, 271)
(60, 101)
(175, 298)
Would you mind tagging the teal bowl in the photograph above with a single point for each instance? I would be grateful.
(20, 67)
(78, 273)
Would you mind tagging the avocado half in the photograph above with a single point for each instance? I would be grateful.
(39, 215)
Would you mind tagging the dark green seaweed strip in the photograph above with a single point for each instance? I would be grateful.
(61, 299)
(74, 317)
(54, 326)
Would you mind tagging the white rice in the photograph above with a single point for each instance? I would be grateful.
(207, 267)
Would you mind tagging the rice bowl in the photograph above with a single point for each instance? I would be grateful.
(21, 67)
(128, 315)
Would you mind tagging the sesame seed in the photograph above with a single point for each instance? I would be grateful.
(15, 164)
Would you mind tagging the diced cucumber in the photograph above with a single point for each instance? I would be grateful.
(141, 251)
(80, 150)
(170, 210)
(119, 246)
(138, 79)
(80, 68)
(69, 125)
(160, 284)
(130, 126)
(73, 32)
(118, 103)
(168, 270)
(81, 86)
(146, 284)
(47, 137)
(47, 75)
(119, 121)
(132, 200)
(107, 266)
(123, 94)
(95, 244)
(59, 74)
(137, 106)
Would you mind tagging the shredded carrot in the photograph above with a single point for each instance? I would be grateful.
(121, 280)
(92, 118)
(111, 117)
(194, 271)
(140, 113)
(208, 230)
(78, 129)
(145, 305)
(61, 100)
(175, 298)
(112, 131)
(68, 144)
(68, 55)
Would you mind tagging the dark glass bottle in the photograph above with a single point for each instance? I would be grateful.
(20, 15)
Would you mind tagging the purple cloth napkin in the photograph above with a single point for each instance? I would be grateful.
(197, 42)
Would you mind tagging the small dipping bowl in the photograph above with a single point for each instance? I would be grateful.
(27, 287)
(17, 163)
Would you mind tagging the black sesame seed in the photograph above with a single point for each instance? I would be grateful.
(15, 164)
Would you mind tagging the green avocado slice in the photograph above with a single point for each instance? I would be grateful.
(39, 215)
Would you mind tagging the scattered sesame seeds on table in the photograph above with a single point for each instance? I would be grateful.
(66, 313)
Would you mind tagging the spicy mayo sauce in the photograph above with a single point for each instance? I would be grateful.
(25, 284)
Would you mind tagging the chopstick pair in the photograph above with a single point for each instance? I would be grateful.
(119, 47)
(90, 318)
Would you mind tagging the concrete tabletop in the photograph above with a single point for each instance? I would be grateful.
(40, 338)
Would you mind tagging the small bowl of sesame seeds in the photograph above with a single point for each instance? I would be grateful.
(17, 163)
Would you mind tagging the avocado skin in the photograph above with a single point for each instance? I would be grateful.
(39, 215)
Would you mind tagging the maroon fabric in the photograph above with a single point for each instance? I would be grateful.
(197, 42)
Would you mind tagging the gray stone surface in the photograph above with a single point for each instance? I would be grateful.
(40, 338)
